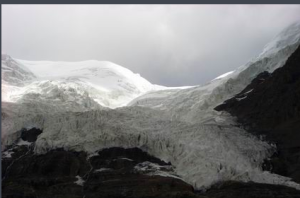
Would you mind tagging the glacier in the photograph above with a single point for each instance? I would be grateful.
(92, 105)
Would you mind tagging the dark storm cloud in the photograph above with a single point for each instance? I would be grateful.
(167, 44)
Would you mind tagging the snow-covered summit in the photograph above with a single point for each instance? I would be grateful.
(108, 84)
(107, 75)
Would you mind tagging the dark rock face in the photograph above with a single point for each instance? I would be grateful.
(31, 134)
(270, 106)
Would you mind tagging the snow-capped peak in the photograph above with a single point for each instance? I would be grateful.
(14, 73)
(109, 84)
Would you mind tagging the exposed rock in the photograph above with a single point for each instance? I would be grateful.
(31, 134)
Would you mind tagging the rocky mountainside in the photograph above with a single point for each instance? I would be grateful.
(270, 106)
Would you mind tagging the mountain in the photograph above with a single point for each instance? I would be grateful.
(195, 104)
(14, 76)
(14, 73)
(270, 106)
(70, 115)
(106, 83)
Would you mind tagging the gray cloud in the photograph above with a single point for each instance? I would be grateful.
(171, 45)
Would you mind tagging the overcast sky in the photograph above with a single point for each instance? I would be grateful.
(171, 45)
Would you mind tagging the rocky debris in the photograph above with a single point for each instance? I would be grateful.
(114, 174)
(270, 107)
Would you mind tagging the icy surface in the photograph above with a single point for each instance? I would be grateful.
(202, 153)
(14, 77)
(150, 168)
(7, 154)
(103, 170)
(224, 75)
(174, 124)
(22, 142)
(79, 181)
(242, 98)
(109, 84)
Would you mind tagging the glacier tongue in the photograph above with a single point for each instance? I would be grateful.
(203, 154)
(176, 125)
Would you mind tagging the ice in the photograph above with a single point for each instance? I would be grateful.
(124, 158)
(248, 91)
(223, 75)
(79, 181)
(106, 83)
(22, 142)
(7, 154)
(103, 169)
(242, 98)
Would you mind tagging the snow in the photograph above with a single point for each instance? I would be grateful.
(124, 158)
(288, 37)
(103, 170)
(22, 142)
(195, 104)
(7, 154)
(242, 98)
(173, 124)
(79, 181)
(248, 91)
(224, 75)
(152, 169)
(106, 83)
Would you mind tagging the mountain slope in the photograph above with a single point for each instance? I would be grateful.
(194, 104)
(106, 83)
(270, 106)
(14, 73)
(13, 77)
